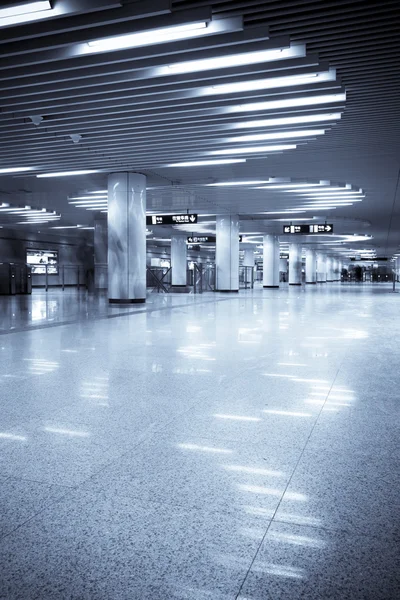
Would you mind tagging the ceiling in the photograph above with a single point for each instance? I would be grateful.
(326, 87)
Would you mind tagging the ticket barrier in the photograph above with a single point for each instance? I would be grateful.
(15, 279)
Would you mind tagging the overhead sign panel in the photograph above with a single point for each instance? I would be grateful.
(171, 219)
(205, 239)
(368, 258)
(308, 229)
(201, 239)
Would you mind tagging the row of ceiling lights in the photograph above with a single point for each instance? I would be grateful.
(310, 80)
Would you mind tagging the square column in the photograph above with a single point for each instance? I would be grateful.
(126, 237)
(271, 261)
(227, 254)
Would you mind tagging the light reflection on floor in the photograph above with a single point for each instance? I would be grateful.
(227, 448)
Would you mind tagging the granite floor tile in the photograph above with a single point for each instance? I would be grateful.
(354, 493)
(20, 500)
(128, 550)
(195, 472)
(314, 564)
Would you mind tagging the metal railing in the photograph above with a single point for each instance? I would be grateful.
(158, 279)
(68, 275)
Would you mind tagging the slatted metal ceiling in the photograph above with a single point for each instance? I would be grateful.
(106, 99)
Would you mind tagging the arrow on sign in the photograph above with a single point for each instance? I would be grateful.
(192, 218)
(328, 227)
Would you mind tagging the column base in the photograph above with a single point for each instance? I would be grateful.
(271, 286)
(179, 289)
(294, 283)
(311, 282)
(126, 300)
(228, 291)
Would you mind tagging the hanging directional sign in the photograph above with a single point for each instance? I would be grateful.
(205, 239)
(201, 239)
(369, 258)
(308, 229)
(171, 219)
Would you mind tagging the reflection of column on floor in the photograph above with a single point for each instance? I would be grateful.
(178, 263)
(311, 266)
(227, 254)
(100, 253)
(294, 264)
(271, 261)
(126, 237)
(321, 268)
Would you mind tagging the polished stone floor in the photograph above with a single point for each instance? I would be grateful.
(201, 447)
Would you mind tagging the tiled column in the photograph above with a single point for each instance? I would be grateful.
(126, 237)
(271, 261)
(227, 254)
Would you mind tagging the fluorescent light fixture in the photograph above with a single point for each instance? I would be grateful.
(328, 189)
(91, 198)
(99, 192)
(149, 37)
(328, 200)
(255, 149)
(200, 163)
(270, 83)
(278, 135)
(234, 60)
(287, 103)
(16, 169)
(69, 173)
(231, 183)
(25, 11)
(293, 219)
(285, 186)
(329, 204)
(288, 121)
(307, 208)
(24, 7)
(282, 212)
